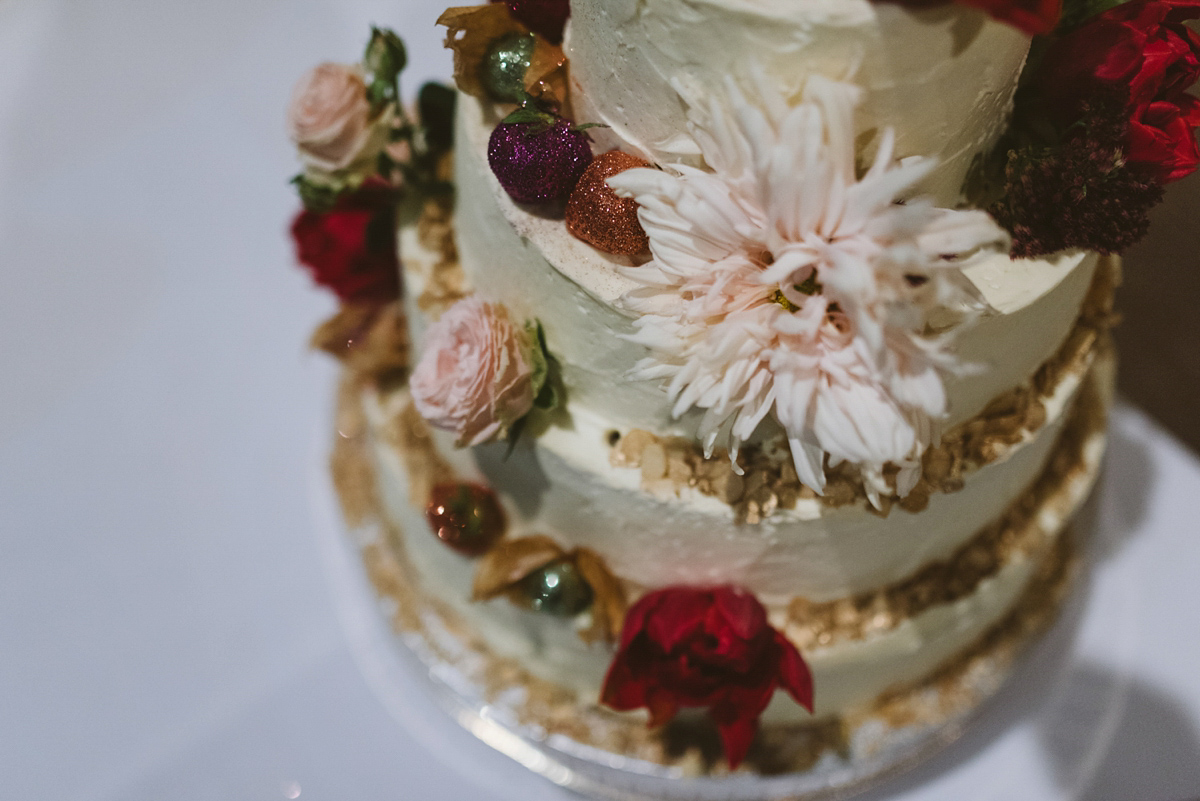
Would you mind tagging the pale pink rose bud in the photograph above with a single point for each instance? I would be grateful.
(475, 377)
(329, 119)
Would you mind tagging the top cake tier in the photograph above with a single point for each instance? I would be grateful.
(943, 78)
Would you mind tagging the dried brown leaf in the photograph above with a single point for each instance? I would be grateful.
(546, 80)
(609, 603)
(338, 335)
(511, 561)
(470, 32)
(371, 340)
(383, 354)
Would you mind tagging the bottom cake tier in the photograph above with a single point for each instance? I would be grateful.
(900, 671)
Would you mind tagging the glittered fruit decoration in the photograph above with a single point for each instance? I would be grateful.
(505, 65)
(467, 517)
(557, 589)
(538, 574)
(546, 17)
(538, 158)
(597, 216)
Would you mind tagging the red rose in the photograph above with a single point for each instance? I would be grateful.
(1140, 54)
(1034, 17)
(713, 648)
(352, 247)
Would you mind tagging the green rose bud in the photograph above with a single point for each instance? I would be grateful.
(385, 57)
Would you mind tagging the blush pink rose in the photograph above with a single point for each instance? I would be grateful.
(330, 120)
(475, 377)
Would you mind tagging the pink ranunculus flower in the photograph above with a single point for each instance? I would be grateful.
(475, 377)
(330, 119)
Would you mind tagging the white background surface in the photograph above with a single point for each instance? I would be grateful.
(166, 625)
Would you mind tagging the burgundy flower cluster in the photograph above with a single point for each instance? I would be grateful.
(1114, 91)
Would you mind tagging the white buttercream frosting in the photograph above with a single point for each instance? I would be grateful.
(944, 78)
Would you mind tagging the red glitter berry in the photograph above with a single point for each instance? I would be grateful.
(467, 517)
(538, 162)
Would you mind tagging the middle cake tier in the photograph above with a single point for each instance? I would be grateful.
(530, 263)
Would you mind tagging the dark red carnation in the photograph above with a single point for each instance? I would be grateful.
(707, 648)
(351, 248)
(1034, 17)
(1143, 51)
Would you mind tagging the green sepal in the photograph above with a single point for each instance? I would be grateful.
(528, 115)
(380, 93)
(320, 196)
(587, 125)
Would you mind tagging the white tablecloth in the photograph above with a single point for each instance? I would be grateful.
(167, 629)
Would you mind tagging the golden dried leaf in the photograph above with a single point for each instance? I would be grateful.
(383, 353)
(609, 604)
(511, 561)
(470, 32)
(546, 78)
(338, 335)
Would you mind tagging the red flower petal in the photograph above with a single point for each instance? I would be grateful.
(677, 615)
(741, 610)
(623, 688)
(737, 735)
(794, 673)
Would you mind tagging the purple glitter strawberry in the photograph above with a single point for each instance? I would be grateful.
(538, 158)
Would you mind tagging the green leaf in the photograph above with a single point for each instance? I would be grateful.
(436, 104)
(380, 93)
(538, 357)
(1076, 12)
(548, 391)
(587, 125)
(551, 395)
(318, 196)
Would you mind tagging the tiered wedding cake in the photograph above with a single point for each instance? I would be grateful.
(740, 389)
